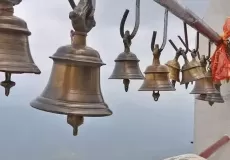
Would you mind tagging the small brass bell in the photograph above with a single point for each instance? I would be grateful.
(156, 75)
(127, 63)
(174, 68)
(74, 85)
(191, 71)
(15, 56)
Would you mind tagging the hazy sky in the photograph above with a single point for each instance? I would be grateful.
(139, 128)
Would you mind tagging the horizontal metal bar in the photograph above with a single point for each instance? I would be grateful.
(190, 18)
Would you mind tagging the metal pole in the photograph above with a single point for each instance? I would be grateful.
(190, 18)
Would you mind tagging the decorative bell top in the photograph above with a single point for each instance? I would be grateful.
(82, 16)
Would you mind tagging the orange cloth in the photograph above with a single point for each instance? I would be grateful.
(220, 62)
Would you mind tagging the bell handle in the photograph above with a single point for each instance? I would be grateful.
(137, 21)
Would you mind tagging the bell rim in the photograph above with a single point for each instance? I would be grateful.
(20, 69)
(133, 78)
(157, 89)
(58, 109)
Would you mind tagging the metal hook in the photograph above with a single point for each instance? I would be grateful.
(72, 4)
(165, 30)
(186, 39)
(137, 21)
(164, 34)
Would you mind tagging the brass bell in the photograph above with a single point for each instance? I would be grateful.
(174, 66)
(156, 75)
(127, 63)
(214, 98)
(74, 85)
(205, 85)
(191, 71)
(15, 56)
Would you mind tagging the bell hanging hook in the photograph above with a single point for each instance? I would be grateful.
(165, 32)
(156, 50)
(194, 52)
(127, 37)
(185, 51)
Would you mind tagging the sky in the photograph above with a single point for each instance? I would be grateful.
(140, 128)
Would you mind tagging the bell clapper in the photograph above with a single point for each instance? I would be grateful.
(126, 83)
(7, 84)
(156, 95)
(186, 85)
(75, 121)
(210, 103)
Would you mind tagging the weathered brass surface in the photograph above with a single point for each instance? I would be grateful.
(174, 68)
(156, 75)
(127, 67)
(15, 56)
(205, 85)
(201, 97)
(127, 63)
(191, 71)
(74, 85)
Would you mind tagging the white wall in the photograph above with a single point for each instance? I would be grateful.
(211, 123)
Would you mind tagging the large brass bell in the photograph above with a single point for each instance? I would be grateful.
(74, 85)
(174, 66)
(191, 71)
(127, 63)
(15, 56)
(156, 75)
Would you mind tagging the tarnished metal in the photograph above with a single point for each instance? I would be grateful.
(15, 56)
(205, 85)
(157, 75)
(127, 63)
(174, 65)
(190, 18)
(74, 85)
(192, 71)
